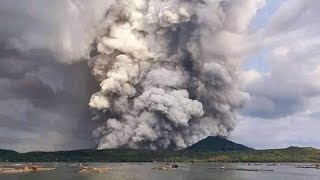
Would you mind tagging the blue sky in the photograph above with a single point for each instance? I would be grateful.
(38, 93)
(265, 13)
(284, 75)
(258, 60)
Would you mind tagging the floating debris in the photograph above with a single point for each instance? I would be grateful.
(271, 164)
(317, 166)
(26, 169)
(90, 169)
(239, 169)
(258, 164)
(167, 167)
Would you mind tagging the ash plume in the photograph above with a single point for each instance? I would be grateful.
(168, 71)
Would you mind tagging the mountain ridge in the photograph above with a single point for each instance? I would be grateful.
(216, 143)
(210, 149)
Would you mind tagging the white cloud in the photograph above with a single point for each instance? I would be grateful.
(285, 101)
(296, 130)
(249, 77)
(293, 40)
(284, 108)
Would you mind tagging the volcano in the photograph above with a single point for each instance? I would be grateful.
(216, 143)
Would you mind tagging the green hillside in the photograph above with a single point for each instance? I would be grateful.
(208, 150)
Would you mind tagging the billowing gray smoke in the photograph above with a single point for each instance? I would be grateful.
(168, 71)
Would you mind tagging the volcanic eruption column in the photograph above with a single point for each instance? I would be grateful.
(168, 71)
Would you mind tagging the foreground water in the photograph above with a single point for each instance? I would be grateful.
(188, 171)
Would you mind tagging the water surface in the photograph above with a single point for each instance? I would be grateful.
(186, 171)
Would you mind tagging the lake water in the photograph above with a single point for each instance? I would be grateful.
(188, 171)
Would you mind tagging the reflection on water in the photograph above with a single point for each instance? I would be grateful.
(188, 171)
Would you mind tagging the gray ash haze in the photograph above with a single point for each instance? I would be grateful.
(44, 85)
(155, 74)
(168, 71)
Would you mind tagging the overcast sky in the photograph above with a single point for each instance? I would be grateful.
(283, 78)
(43, 103)
(38, 94)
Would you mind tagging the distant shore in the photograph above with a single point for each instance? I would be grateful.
(210, 149)
(288, 155)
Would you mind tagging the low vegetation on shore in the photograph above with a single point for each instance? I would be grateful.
(211, 149)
